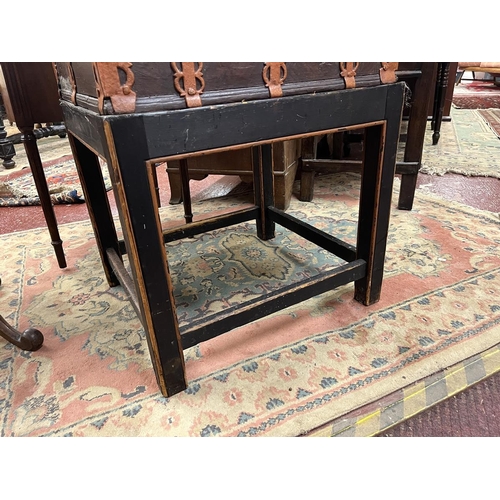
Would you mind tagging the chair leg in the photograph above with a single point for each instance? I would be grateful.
(29, 340)
(36, 166)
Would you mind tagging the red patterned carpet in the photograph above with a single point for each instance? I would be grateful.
(17, 188)
(477, 94)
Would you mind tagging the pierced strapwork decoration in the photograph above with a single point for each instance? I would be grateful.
(388, 72)
(109, 85)
(348, 72)
(190, 78)
(274, 74)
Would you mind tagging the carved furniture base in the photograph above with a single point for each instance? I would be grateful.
(29, 340)
(7, 150)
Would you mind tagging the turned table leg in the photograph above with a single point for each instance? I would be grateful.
(437, 115)
(7, 151)
(35, 162)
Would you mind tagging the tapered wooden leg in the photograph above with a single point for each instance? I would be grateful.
(138, 211)
(175, 183)
(417, 124)
(436, 95)
(375, 198)
(33, 155)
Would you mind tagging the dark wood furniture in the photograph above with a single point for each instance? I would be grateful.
(7, 151)
(7, 142)
(285, 163)
(441, 89)
(34, 98)
(29, 340)
(448, 94)
(421, 78)
(145, 113)
(429, 84)
(493, 68)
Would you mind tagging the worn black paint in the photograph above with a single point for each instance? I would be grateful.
(139, 138)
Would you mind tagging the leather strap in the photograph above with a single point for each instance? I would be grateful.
(388, 72)
(274, 74)
(109, 85)
(190, 76)
(348, 72)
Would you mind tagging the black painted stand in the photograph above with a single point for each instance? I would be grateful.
(133, 143)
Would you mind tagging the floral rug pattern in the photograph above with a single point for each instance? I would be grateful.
(283, 375)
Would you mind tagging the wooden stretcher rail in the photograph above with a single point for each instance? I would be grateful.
(402, 167)
(202, 226)
(209, 224)
(240, 315)
(124, 278)
(326, 241)
(259, 307)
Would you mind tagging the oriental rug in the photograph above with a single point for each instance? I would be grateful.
(476, 94)
(468, 146)
(284, 375)
(18, 188)
(492, 118)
